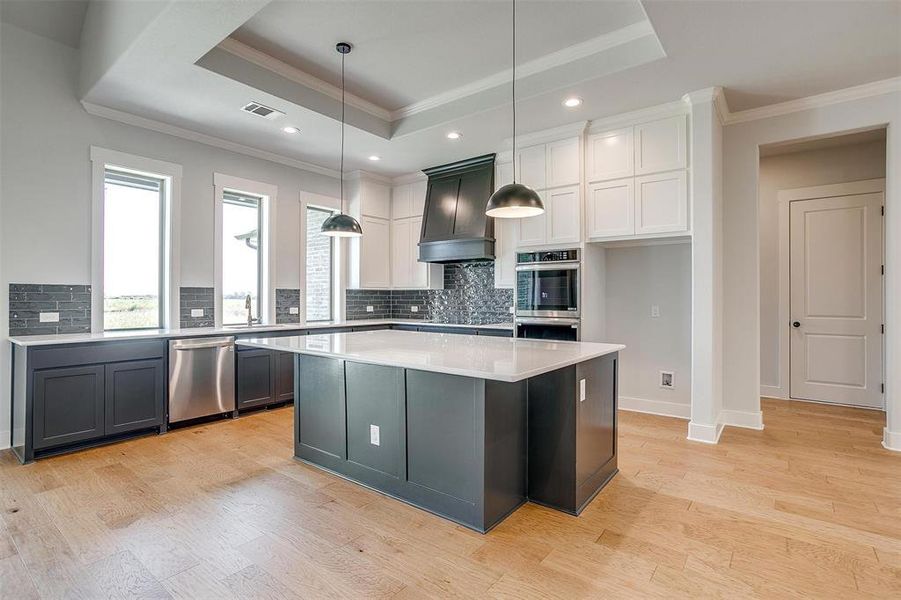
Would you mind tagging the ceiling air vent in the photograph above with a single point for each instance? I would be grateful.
(261, 110)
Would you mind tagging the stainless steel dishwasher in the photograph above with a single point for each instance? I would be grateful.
(201, 377)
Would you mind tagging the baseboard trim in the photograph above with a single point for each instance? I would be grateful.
(655, 407)
(4, 438)
(748, 419)
(891, 440)
(706, 434)
(773, 391)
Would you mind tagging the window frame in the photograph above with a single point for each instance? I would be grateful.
(332, 266)
(170, 247)
(268, 194)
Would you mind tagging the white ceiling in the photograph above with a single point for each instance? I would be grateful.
(59, 20)
(176, 71)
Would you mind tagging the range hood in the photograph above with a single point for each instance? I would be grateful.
(455, 227)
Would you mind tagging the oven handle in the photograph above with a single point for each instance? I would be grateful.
(571, 265)
(574, 323)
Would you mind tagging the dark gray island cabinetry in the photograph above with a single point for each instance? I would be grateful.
(467, 427)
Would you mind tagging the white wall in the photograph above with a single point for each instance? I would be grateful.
(636, 278)
(45, 185)
(839, 164)
(741, 366)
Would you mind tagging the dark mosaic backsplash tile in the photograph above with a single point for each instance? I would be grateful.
(285, 300)
(192, 298)
(469, 297)
(28, 300)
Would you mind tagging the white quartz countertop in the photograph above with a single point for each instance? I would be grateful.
(482, 357)
(150, 334)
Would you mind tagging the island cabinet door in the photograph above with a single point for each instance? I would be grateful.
(284, 375)
(319, 411)
(375, 419)
(135, 395)
(595, 437)
(68, 405)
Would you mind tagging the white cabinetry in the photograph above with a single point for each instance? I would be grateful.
(369, 201)
(374, 263)
(408, 201)
(554, 171)
(637, 181)
(505, 235)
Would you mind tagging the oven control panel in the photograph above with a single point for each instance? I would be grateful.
(524, 258)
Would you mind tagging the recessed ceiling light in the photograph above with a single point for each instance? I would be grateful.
(290, 129)
(454, 135)
(374, 157)
(572, 102)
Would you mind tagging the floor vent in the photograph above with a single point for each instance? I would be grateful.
(261, 110)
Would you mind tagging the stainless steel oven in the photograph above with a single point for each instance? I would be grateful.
(547, 284)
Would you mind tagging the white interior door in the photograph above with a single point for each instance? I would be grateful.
(836, 299)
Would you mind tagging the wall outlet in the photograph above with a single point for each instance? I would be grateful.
(374, 435)
(196, 312)
(49, 317)
(667, 380)
(414, 309)
(293, 310)
(370, 309)
(655, 311)
(510, 310)
(582, 390)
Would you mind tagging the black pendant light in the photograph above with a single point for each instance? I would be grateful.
(342, 225)
(514, 200)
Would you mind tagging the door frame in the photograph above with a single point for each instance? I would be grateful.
(785, 198)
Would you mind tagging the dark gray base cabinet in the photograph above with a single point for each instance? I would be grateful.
(263, 377)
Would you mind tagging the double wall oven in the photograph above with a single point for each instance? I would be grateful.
(547, 295)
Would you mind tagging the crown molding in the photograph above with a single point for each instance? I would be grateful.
(642, 115)
(202, 138)
(360, 175)
(261, 59)
(409, 178)
(858, 92)
(564, 56)
(712, 95)
(547, 135)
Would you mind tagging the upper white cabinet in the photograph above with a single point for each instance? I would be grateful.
(660, 203)
(408, 200)
(560, 223)
(563, 164)
(370, 256)
(660, 145)
(375, 199)
(609, 155)
(637, 180)
(531, 167)
(505, 235)
(407, 204)
(374, 259)
(418, 191)
(610, 208)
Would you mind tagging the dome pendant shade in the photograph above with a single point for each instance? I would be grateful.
(341, 225)
(514, 201)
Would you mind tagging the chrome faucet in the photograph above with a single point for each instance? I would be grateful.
(247, 305)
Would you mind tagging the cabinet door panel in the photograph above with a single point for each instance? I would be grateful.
(611, 208)
(135, 395)
(402, 201)
(595, 415)
(564, 223)
(68, 405)
(320, 421)
(661, 203)
(418, 191)
(419, 271)
(375, 402)
(505, 252)
(563, 163)
(375, 253)
(660, 145)
(533, 230)
(376, 199)
(284, 376)
(503, 174)
(532, 167)
(401, 253)
(610, 155)
(256, 378)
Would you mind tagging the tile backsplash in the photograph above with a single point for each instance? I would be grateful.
(469, 297)
(285, 300)
(70, 303)
(196, 298)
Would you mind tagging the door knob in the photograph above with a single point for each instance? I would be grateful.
(796, 323)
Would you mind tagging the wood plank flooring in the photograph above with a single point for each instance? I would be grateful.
(810, 507)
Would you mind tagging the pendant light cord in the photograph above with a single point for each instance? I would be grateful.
(514, 91)
(342, 132)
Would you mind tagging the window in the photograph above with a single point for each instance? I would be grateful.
(242, 259)
(133, 250)
(320, 265)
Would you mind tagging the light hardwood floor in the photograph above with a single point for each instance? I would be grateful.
(810, 507)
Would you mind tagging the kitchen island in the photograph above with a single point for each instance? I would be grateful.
(467, 427)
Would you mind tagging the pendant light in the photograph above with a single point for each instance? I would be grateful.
(514, 200)
(342, 225)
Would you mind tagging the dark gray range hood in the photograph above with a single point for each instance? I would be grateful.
(455, 227)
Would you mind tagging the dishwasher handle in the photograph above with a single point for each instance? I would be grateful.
(226, 342)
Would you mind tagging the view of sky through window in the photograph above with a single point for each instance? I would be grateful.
(240, 258)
